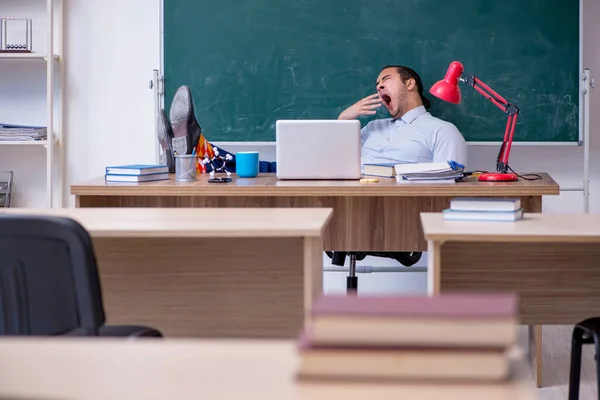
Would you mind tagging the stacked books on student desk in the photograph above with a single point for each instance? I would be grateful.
(484, 209)
(434, 172)
(449, 337)
(136, 173)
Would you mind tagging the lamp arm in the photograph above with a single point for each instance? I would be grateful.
(510, 109)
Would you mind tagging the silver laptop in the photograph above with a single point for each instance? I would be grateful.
(318, 149)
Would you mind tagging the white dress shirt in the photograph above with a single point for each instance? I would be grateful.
(417, 137)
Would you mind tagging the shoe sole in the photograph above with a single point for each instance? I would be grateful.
(181, 110)
(184, 121)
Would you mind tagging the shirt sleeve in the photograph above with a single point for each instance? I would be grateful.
(450, 145)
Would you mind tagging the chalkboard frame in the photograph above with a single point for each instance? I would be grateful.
(160, 96)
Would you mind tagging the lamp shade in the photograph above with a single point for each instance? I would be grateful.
(447, 89)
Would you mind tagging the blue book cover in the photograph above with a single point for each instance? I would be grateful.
(137, 169)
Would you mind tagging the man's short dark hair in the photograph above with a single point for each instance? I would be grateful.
(407, 73)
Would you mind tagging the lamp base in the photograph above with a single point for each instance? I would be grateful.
(498, 177)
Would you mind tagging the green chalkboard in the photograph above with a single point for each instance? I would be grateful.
(250, 63)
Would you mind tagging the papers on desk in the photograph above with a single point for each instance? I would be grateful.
(10, 132)
(430, 173)
(455, 337)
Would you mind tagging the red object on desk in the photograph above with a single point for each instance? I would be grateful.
(447, 89)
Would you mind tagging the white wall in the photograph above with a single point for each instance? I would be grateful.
(111, 49)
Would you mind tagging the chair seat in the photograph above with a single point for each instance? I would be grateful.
(119, 331)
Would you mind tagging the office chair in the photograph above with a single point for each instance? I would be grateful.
(339, 258)
(49, 283)
(585, 332)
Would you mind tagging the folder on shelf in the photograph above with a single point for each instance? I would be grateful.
(10, 132)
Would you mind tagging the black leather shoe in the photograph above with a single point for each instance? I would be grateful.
(165, 138)
(186, 129)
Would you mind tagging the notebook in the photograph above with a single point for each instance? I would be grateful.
(136, 169)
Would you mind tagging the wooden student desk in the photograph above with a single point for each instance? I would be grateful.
(100, 369)
(551, 260)
(206, 272)
(381, 216)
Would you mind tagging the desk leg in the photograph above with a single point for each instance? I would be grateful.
(535, 352)
(535, 331)
(433, 267)
(313, 274)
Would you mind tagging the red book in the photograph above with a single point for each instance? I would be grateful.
(466, 320)
(500, 305)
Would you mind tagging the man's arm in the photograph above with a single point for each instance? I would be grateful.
(450, 145)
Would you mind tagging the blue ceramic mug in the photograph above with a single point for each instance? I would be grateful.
(246, 164)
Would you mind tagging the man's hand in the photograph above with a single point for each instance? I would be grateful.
(366, 106)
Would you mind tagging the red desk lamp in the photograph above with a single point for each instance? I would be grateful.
(448, 90)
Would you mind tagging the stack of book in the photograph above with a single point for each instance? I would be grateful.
(136, 173)
(450, 337)
(484, 209)
(434, 172)
(22, 133)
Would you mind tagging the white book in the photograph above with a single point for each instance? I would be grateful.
(401, 179)
(136, 178)
(453, 215)
(484, 204)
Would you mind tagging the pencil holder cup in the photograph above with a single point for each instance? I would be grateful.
(185, 167)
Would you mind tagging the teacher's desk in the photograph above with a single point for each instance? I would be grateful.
(381, 216)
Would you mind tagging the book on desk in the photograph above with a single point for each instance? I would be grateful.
(430, 173)
(461, 337)
(136, 173)
(484, 209)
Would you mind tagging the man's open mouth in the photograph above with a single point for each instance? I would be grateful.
(387, 100)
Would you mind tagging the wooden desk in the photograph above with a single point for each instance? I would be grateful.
(87, 369)
(206, 272)
(551, 260)
(383, 216)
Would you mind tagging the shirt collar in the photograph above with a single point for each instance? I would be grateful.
(413, 114)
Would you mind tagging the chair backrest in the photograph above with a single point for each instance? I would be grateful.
(49, 281)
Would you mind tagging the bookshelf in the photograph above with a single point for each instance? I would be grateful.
(28, 143)
(33, 95)
(26, 56)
